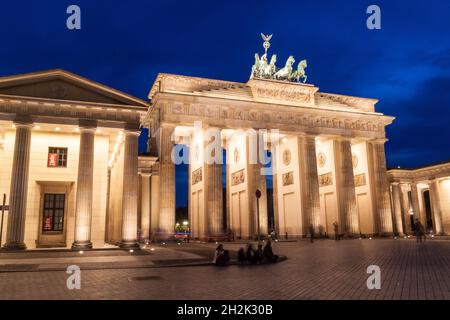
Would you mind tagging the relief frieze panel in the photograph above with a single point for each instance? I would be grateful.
(360, 180)
(326, 179)
(197, 176)
(288, 178)
(237, 177)
(276, 117)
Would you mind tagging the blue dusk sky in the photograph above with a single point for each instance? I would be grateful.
(124, 44)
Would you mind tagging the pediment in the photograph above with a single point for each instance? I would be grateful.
(63, 85)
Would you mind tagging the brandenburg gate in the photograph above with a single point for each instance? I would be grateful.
(325, 153)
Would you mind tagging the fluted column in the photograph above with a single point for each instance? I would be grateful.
(145, 206)
(273, 151)
(154, 202)
(406, 205)
(310, 184)
(85, 182)
(436, 207)
(346, 187)
(212, 162)
(130, 191)
(383, 202)
(397, 206)
(259, 183)
(415, 201)
(15, 233)
(167, 183)
(214, 208)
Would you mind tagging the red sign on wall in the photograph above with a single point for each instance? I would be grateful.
(52, 160)
(48, 223)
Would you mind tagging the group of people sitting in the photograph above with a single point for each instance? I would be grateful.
(248, 255)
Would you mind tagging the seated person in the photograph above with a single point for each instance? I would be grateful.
(251, 256)
(259, 254)
(221, 256)
(241, 256)
(268, 253)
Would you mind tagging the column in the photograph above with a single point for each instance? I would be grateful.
(259, 183)
(383, 203)
(436, 207)
(273, 151)
(310, 184)
(213, 183)
(85, 181)
(154, 201)
(145, 207)
(415, 201)
(15, 232)
(406, 205)
(167, 182)
(397, 206)
(130, 191)
(214, 204)
(346, 187)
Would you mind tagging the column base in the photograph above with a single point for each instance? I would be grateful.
(129, 244)
(14, 246)
(82, 245)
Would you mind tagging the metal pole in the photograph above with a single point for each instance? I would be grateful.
(1, 223)
(257, 211)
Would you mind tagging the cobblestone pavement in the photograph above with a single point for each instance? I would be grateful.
(323, 270)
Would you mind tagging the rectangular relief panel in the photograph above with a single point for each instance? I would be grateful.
(197, 176)
(326, 179)
(360, 180)
(238, 177)
(288, 178)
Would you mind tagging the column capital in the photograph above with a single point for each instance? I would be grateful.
(379, 140)
(145, 174)
(88, 130)
(21, 120)
(132, 133)
(87, 124)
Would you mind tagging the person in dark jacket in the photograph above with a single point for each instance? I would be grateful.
(241, 256)
(221, 256)
(311, 232)
(259, 254)
(250, 255)
(268, 253)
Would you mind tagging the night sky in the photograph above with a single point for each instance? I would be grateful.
(124, 44)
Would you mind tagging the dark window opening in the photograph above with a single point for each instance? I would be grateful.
(54, 205)
(57, 157)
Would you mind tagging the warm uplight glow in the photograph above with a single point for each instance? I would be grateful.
(284, 140)
(98, 131)
(152, 249)
(57, 129)
(81, 252)
(131, 250)
(37, 127)
(185, 223)
(116, 149)
(77, 129)
(13, 126)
